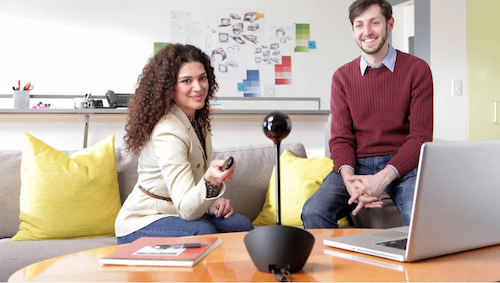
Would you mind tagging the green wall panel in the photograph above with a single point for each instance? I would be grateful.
(483, 59)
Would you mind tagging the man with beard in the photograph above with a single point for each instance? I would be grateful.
(382, 113)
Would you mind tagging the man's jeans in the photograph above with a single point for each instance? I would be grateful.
(329, 203)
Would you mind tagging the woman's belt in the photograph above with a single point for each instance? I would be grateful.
(153, 195)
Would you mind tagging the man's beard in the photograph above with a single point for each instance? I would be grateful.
(377, 49)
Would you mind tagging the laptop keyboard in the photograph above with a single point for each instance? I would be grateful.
(398, 244)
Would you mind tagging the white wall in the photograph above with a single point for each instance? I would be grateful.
(404, 25)
(74, 47)
(449, 62)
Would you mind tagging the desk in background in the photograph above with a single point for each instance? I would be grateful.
(70, 129)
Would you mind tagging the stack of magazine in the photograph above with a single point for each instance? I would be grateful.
(162, 251)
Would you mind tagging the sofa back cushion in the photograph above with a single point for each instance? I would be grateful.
(126, 165)
(254, 166)
(247, 191)
(10, 187)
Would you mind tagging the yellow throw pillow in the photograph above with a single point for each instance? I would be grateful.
(67, 197)
(300, 178)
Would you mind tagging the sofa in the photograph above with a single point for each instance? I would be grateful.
(247, 192)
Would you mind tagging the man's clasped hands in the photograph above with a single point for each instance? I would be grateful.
(365, 190)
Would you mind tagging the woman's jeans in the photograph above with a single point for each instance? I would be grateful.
(173, 226)
(329, 203)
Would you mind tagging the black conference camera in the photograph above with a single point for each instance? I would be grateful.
(278, 249)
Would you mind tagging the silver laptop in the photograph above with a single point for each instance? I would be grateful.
(456, 206)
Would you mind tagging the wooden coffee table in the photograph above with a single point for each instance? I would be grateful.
(231, 262)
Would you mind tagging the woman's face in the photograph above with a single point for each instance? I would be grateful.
(191, 88)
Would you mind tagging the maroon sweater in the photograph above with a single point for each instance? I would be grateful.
(382, 112)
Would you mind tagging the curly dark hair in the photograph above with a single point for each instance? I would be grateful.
(155, 93)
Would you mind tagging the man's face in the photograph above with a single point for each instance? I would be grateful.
(371, 30)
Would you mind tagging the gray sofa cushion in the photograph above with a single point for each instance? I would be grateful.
(126, 165)
(247, 190)
(10, 187)
(252, 174)
(387, 217)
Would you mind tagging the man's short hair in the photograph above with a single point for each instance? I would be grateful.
(359, 6)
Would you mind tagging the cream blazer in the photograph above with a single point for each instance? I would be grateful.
(171, 164)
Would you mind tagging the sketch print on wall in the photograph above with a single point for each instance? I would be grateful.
(244, 47)
(183, 30)
(236, 35)
(240, 33)
(244, 44)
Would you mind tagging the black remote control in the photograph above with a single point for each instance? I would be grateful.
(229, 162)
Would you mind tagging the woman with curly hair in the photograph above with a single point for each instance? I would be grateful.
(179, 190)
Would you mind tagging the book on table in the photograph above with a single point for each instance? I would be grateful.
(162, 251)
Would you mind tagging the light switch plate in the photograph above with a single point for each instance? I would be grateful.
(456, 87)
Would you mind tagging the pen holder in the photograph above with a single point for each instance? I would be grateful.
(81, 103)
(21, 99)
